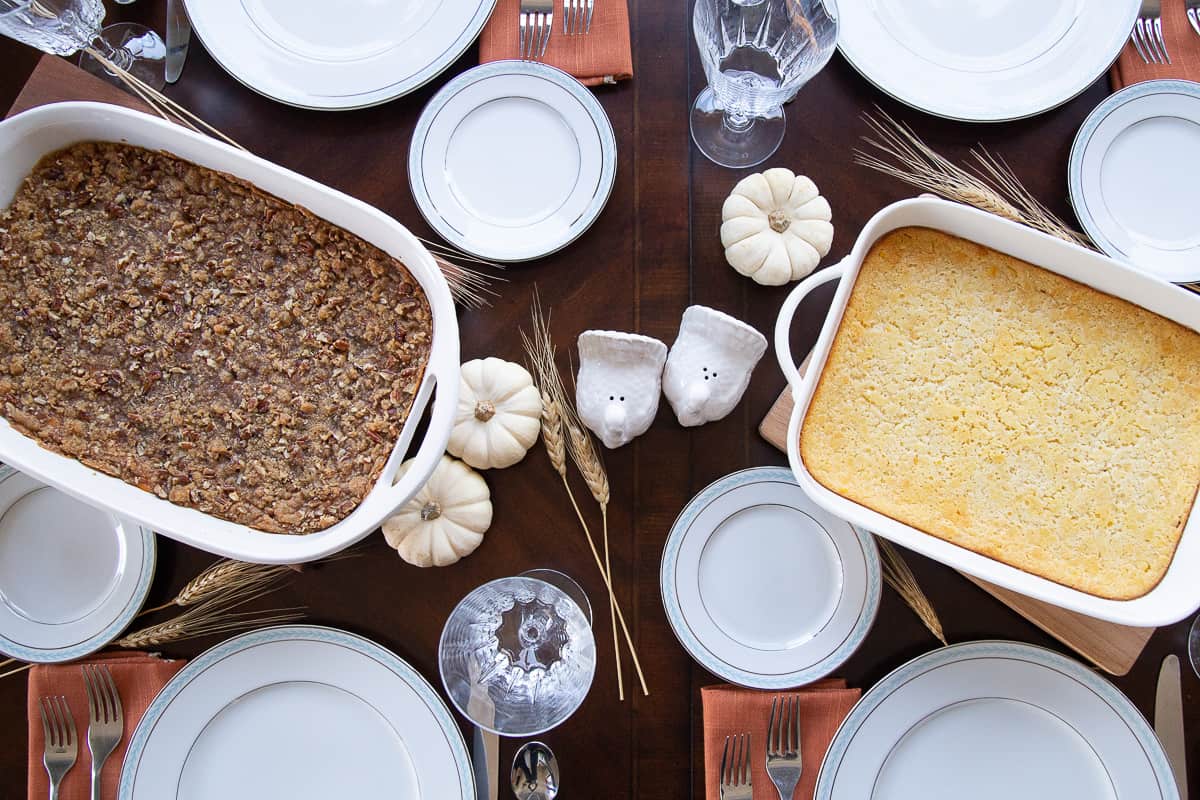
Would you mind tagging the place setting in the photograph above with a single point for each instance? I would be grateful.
(423, 462)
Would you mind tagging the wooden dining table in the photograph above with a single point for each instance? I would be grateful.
(654, 251)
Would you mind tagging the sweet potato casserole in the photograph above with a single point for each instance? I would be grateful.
(183, 331)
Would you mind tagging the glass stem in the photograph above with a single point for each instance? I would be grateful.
(117, 55)
(738, 123)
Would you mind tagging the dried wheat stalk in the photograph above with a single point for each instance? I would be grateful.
(562, 433)
(221, 576)
(216, 614)
(990, 185)
(898, 575)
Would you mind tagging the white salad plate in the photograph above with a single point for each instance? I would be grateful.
(302, 712)
(333, 56)
(995, 721)
(72, 577)
(983, 61)
(764, 588)
(512, 160)
(1135, 178)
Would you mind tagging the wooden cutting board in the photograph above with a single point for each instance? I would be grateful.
(1111, 647)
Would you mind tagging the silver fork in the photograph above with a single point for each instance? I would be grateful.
(735, 768)
(577, 16)
(58, 729)
(1147, 34)
(783, 745)
(1193, 12)
(106, 723)
(534, 25)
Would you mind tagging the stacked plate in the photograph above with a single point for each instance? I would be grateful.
(983, 61)
(995, 721)
(1135, 179)
(301, 712)
(512, 160)
(351, 54)
(762, 587)
(72, 577)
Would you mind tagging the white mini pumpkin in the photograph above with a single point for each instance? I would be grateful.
(499, 414)
(446, 519)
(775, 226)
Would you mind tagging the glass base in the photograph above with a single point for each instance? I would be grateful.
(729, 146)
(136, 49)
(1194, 646)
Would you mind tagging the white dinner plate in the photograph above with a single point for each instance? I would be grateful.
(335, 56)
(72, 577)
(512, 160)
(1134, 176)
(994, 721)
(302, 712)
(762, 587)
(983, 60)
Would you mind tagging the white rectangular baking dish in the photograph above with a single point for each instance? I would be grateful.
(25, 138)
(1178, 593)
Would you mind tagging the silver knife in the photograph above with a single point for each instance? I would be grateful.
(485, 760)
(179, 31)
(1168, 720)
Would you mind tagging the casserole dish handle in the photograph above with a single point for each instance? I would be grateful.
(443, 376)
(783, 325)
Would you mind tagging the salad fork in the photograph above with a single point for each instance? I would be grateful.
(58, 729)
(577, 16)
(735, 768)
(1193, 14)
(1147, 34)
(534, 25)
(106, 723)
(784, 767)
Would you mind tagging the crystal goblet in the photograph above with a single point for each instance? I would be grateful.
(757, 54)
(517, 656)
(63, 27)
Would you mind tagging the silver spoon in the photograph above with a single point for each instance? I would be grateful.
(535, 772)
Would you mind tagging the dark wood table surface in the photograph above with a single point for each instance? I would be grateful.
(654, 251)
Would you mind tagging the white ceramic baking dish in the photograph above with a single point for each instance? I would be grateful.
(27, 137)
(1178, 594)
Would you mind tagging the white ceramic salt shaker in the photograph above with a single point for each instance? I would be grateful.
(619, 383)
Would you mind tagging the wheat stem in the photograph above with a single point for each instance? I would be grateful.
(612, 606)
(991, 187)
(19, 669)
(900, 577)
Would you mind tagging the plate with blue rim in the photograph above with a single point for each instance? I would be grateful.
(298, 711)
(512, 160)
(336, 56)
(991, 720)
(72, 577)
(764, 588)
(1134, 178)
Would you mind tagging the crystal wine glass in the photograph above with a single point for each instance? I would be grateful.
(517, 656)
(63, 27)
(756, 56)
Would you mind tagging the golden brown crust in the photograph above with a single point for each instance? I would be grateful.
(1011, 411)
(193, 336)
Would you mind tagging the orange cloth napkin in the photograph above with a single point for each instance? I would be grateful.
(732, 709)
(139, 677)
(603, 55)
(1183, 45)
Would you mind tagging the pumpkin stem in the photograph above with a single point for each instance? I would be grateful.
(779, 221)
(484, 410)
(431, 511)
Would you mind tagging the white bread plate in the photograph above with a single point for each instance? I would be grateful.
(26, 137)
(1178, 593)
